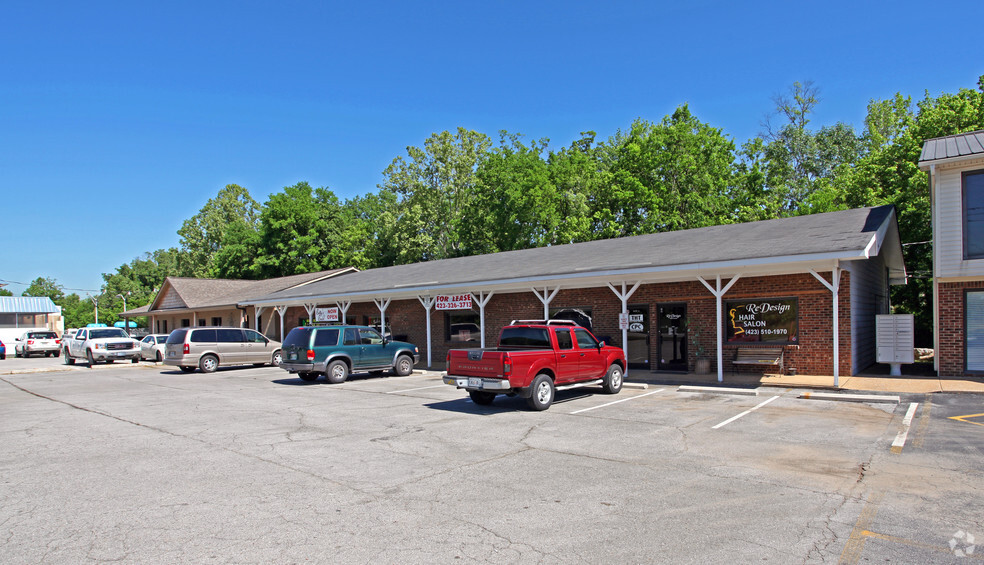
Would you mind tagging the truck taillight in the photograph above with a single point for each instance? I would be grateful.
(449, 359)
(507, 365)
(310, 355)
(57, 342)
(30, 342)
(187, 349)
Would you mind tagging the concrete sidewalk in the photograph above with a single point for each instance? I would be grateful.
(913, 384)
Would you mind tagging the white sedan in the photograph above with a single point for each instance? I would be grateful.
(152, 347)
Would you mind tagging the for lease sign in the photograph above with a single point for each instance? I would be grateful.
(453, 302)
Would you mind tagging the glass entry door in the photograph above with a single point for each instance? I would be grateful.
(671, 337)
(638, 337)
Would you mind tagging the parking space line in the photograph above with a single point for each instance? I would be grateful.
(617, 401)
(418, 388)
(904, 432)
(745, 413)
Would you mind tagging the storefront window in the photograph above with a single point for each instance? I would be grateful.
(767, 320)
(579, 315)
(462, 326)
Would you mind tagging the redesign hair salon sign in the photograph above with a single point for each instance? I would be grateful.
(453, 302)
(769, 320)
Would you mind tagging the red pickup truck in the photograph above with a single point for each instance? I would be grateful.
(534, 359)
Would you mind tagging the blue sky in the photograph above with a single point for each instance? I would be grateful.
(119, 120)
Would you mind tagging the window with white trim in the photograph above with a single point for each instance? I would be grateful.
(973, 214)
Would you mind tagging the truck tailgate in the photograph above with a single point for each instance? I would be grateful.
(476, 363)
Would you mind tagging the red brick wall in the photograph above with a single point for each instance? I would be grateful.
(951, 349)
(813, 355)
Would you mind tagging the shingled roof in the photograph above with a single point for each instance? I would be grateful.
(189, 293)
(952, 147)
(771, 247)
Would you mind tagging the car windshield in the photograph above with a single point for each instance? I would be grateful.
(108, 332)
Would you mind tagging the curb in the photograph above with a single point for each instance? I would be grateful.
(719, 390)
(841, 397)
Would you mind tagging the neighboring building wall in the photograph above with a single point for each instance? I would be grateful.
(870, 297)
(951, 336)
(948, 213)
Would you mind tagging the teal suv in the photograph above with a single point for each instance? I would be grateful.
(337, 351)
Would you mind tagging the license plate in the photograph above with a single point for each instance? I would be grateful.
(475, 383)
(118, 354)
(170, 354)
(292, 357)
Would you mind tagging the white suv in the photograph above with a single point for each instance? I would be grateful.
(36, 343)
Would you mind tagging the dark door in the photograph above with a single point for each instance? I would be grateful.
(671, 340)
(638, 337)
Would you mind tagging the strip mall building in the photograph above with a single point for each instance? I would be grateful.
(811, 285)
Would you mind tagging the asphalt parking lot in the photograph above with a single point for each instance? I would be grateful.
(142, 464)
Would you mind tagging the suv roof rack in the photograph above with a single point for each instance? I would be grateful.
(558, 322)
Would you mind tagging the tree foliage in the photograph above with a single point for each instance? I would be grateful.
(201, 235)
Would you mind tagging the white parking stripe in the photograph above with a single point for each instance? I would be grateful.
(745, 413)
(413, 389)
(904, 433)
(617, 401)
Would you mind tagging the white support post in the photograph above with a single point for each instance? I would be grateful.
(546, 297)
(194, 319)
(834, 288)
(282, 310)
(343, 307)
(257, 310)
(309, 308)
(382, 305)
(482, 299)
(624, 297)
(428, 302)
(718, 292)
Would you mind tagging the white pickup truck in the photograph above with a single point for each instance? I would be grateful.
(100, 344)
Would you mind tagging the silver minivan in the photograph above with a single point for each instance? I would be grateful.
(209, 348)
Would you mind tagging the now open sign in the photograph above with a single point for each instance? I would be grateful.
(453, 302)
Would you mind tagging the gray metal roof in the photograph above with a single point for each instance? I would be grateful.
(952, 146)
(27, 305)
(848, 234)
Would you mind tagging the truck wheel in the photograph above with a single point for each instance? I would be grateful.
(158, 357)
(613, 380)
(543, 393)
(69, 360)
(208, 363)
(135, 359)
(337, 372)
(481, 397)
(57, 353)
(404, 366)
(88, 357)
(25, 353)
(308, 377)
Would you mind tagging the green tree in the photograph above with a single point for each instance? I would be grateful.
(435, 185)
(515, 204)
(202, 234)
(299, 232)
(43, 286)
(673, 175)
(799, 164)
(5, 292)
